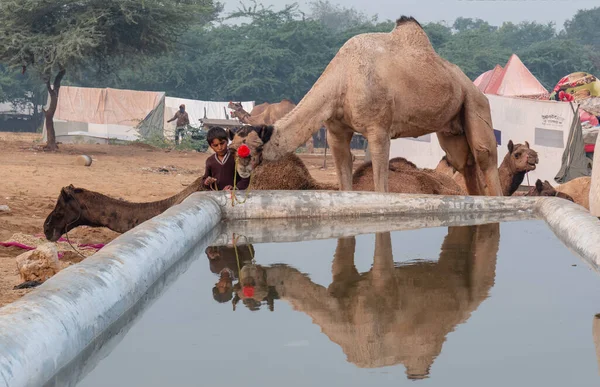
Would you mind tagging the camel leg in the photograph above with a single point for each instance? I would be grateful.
(339, 137)
(483, 145)
(383, 262)
(379, 144)
(343, 270)
(460, 157)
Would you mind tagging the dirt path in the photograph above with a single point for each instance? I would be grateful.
(31, 181)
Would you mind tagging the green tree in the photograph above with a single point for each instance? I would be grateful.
(475, 51)
(519, 36)
(52, 36)
(551, 60)
(583, 27)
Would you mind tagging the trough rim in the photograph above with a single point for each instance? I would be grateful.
(46, 329)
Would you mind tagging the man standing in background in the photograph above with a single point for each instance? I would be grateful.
(182, 122)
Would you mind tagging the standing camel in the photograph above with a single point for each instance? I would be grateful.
(393, 85)
(392, 314)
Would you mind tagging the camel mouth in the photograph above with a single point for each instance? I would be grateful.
(244, 174)
(52, 236)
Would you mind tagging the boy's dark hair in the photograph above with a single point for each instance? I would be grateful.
(222, 297)
(216, 132)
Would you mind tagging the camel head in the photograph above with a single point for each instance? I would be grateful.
(254, 138)
(66, 215)
(253, 289)
(546, 189)
(521, 157)
(237, 110)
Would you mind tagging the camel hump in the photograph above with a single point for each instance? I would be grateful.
(406, 20)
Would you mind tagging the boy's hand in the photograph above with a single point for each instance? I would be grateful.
(228, 188)
(209, 180)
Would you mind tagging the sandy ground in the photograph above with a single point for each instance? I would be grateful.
(31, 181)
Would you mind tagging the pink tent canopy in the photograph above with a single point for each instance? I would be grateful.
(515, 80)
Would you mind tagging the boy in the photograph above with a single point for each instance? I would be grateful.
(220, 167)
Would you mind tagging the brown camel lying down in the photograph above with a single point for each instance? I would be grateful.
(404, 176)
(78, 206)
(81, 207)
(578, 189)
(544, 189)
(519, 160)
(392, 314)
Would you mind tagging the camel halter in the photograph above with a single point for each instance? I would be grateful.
(68, 224)
(234, 198)
(234, 240)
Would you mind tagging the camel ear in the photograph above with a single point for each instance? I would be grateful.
(511, 146)
(527, 145)
(231, 133)
(265, 133)
(539, 185)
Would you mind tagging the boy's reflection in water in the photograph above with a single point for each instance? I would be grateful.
(223, 262)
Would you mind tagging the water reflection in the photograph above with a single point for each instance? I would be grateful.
(392, 314)
(224, 261)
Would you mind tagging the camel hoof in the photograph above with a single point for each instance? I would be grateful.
(84, 160)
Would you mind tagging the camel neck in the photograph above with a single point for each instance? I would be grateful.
(510, 179)
(99, 210)
(296, 127)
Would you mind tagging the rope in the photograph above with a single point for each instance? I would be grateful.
(67, 233)
(234, 197)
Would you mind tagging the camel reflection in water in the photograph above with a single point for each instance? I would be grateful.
(392, 314)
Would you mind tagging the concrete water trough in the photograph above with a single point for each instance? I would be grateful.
(56, 334)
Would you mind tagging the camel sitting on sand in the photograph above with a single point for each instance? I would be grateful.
(404, 176)
(391, 314)
(369, 88)
(578, 189)
(519, 160)
(544, 189)
(81, 207)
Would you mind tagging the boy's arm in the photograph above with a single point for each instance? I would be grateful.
(207, 172)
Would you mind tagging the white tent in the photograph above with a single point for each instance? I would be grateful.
(98, 115)
(546, 125)
(197, 110)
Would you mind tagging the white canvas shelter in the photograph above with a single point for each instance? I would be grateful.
(99, 115)
(196, 110)
(550, 127)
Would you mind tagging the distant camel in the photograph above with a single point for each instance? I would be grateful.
(266, 114)
(544, 189)
(369, 87)
(392, 314)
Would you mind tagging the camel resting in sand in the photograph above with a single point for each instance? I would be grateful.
(81, 207)
(519, 160)
(578, 189)
(392, 314)
(404, 176)
(369, 88)
(544, 189)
